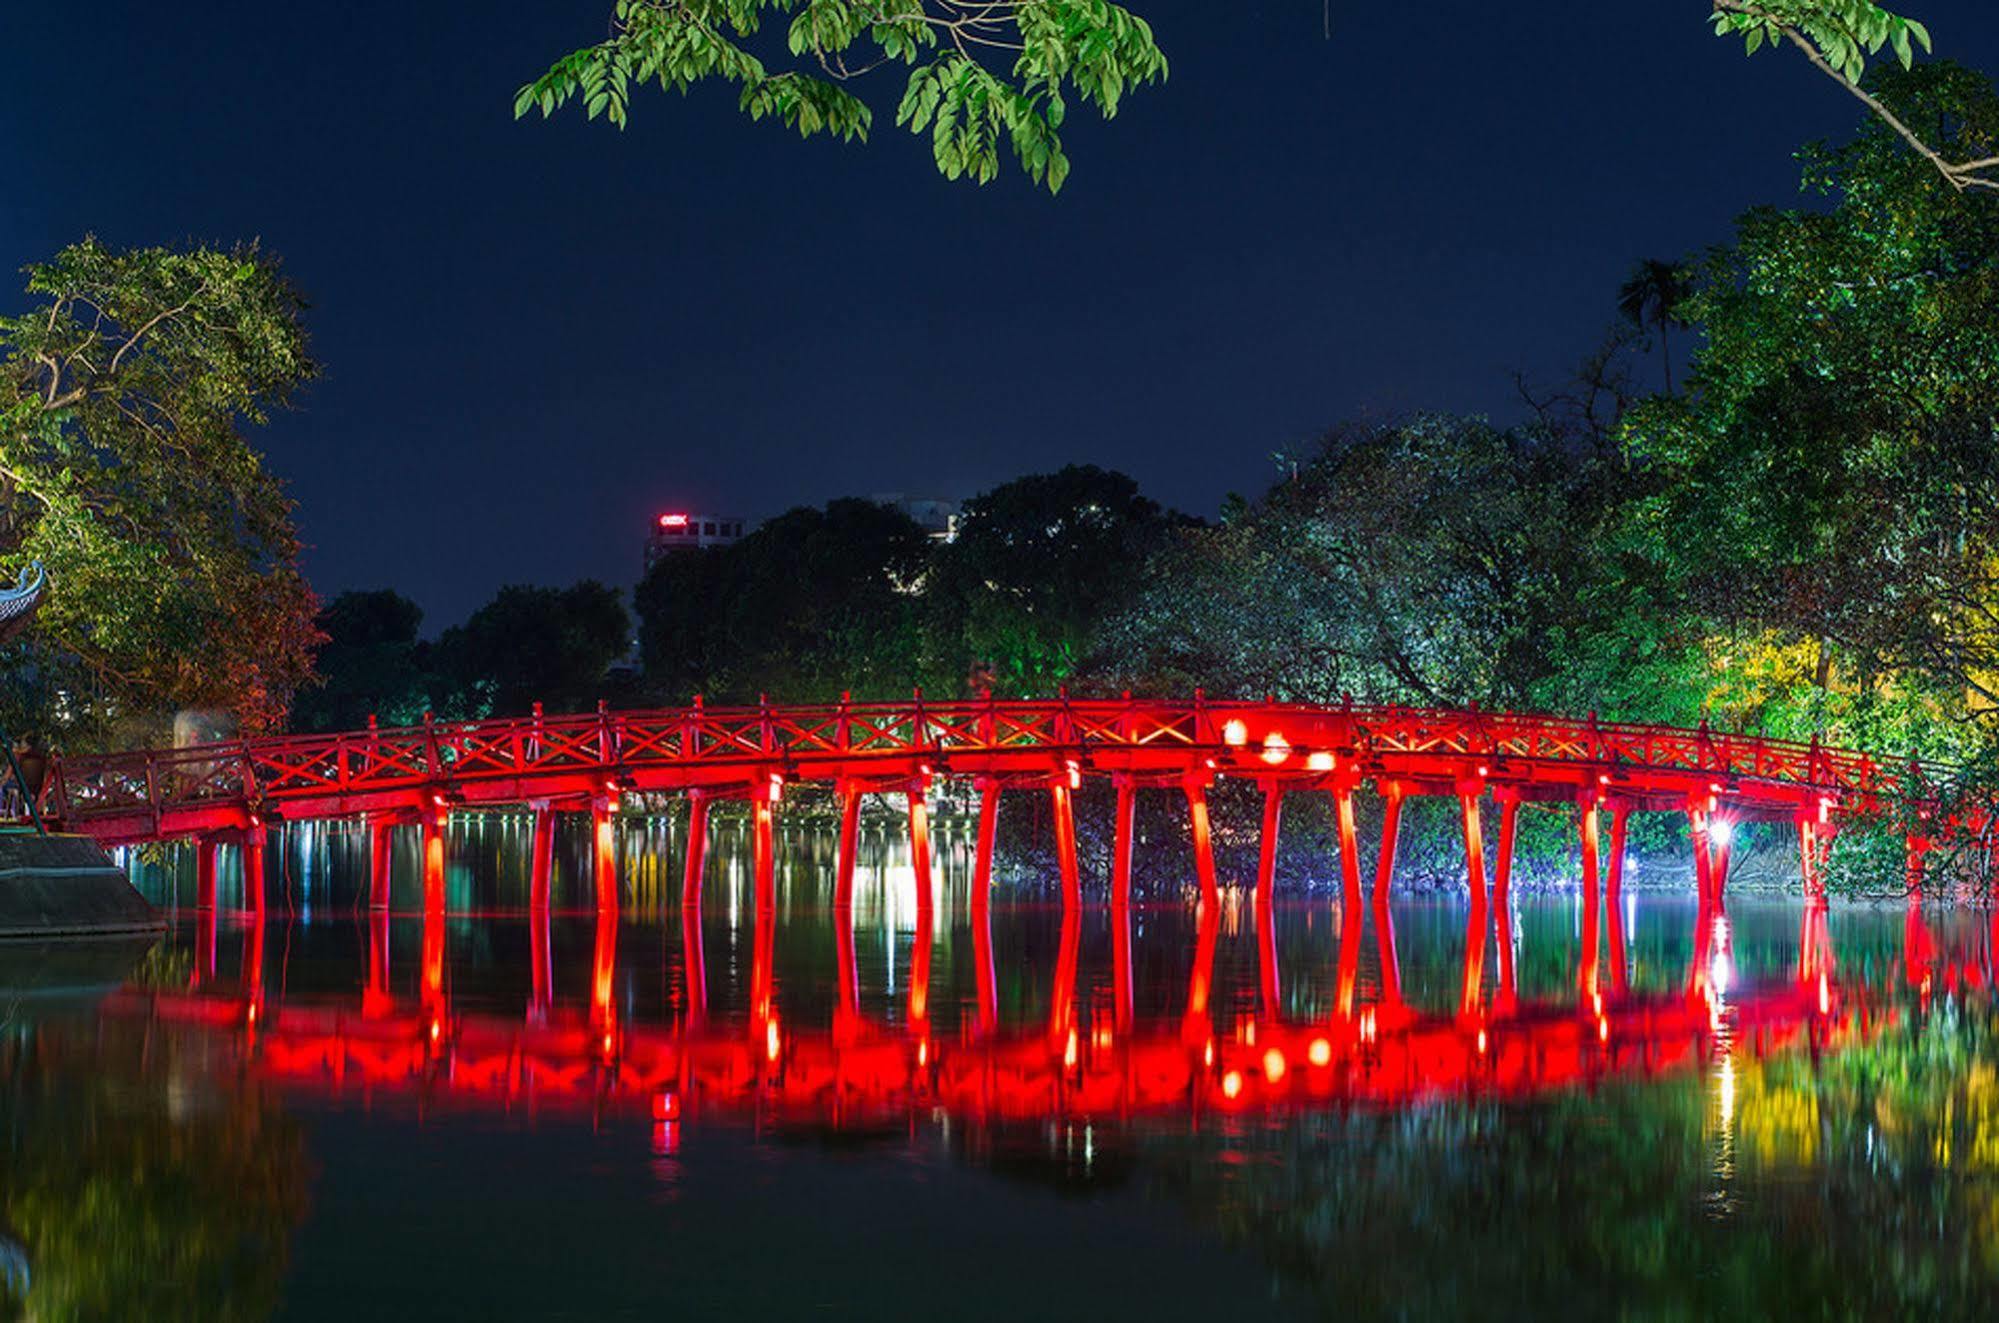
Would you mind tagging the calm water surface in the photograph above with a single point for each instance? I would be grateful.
(336, 1114)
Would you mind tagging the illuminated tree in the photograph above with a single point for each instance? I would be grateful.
(125, 392)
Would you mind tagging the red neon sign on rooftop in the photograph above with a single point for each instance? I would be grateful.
(673, 521)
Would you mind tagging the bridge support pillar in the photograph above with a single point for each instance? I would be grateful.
(850, 839)
(982, 855)
(1064, 805)
(1700, 834)
(604, 851)
(763, 845)
(603, 969)
(1266, 856)
(541, 875)
(431, 979)
(697, 851)
(254, 840)
(1509, 826)
(1590, 980)
(1121, 842)
(1204, 848)
(1384, 883)
(205, 850)
(433, 824)
(1813, 835)
(205, 919)
(1478, 923)
(381, 859)
(1266, 949)
(1613, 895)
(919, 843)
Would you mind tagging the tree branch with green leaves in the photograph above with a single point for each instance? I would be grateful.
(980, 71)
(1838, 37)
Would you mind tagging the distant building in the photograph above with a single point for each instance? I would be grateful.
(690, 532)
(934, 515)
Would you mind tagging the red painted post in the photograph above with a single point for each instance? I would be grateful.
(1592, 870)
(1266, 859)
(919, 967)
(763, 850)
(846, 967)
(1509, 823)
(982, 859)
(1204, 851)
(604, 850)
(1478, 924)
(1699, 835)
(1065, 844)
(695, 965)
(1350, 895)
(541, 877)
(253, 868)
(1384, 884)
(204, 906)
(1123, 1009)
(432, 823)
(1121, 846)
(1266, 950)
(697, 851)
(542, 961)
(381, 859)
(205, 848)
(1201, 978)
(850, 836)
(1613, 899)
(603, 965)
(919, 844)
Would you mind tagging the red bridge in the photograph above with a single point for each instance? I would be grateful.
(229, 792)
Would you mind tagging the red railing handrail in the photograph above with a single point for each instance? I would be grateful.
(277, 767)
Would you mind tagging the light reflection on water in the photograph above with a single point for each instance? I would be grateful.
(1667, 1151)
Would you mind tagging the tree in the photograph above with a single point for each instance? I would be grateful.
(1838, 449)
(1652, 296)
(1431, 561)
(1037, 563)
(553, 646)
(372, 665)
(813, 604)
(124, 396)
(980, 68)
(977, 71)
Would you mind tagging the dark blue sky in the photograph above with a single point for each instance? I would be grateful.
(537, 334)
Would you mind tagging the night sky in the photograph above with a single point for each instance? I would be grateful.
(536, 335)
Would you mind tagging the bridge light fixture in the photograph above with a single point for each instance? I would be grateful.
(1322, 761)
(1721, 832)
(1235, 733)
(1275, 748)
(1320, 1053)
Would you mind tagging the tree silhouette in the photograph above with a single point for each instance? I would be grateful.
(1651, 299)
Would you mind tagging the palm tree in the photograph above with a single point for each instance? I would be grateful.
(1652, 297)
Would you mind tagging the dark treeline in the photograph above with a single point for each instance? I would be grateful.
(1801, 537)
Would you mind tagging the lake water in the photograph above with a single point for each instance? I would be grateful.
(1006, 1114)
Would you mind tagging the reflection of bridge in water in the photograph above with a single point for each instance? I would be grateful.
(862, 1068)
